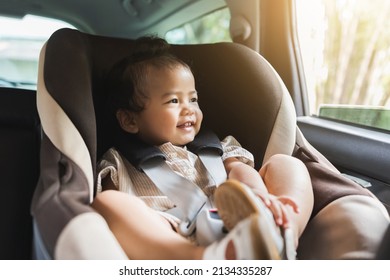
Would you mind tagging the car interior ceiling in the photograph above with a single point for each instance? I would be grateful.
(125, 17)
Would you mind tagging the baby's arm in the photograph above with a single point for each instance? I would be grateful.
(244, 173)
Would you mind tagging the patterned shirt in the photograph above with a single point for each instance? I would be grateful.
(130, 180)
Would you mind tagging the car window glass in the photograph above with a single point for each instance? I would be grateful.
(20, 43)
(345, 47)
(211, 28)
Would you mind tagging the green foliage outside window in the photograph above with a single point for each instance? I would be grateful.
(345, 46)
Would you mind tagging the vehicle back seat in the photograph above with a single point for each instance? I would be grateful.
(19, 170)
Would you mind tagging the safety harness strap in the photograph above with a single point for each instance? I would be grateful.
(187, 196)
(209, 149)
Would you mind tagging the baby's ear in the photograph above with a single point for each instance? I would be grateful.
(127, 121)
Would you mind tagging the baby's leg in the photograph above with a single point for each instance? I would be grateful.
(145, 234)
(141, 231)
(287, 176)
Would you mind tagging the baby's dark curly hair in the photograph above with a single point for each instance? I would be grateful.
(127, 79)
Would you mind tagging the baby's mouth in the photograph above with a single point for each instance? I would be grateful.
(186, 125)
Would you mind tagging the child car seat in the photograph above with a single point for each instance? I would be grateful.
(240, 95)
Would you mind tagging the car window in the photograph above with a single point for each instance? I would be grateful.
(20, 43)
(211, 28)
(345, 47)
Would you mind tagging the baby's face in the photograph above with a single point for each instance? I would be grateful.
(172, 112)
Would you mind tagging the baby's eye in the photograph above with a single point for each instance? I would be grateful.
(174, 100)
(194, 99)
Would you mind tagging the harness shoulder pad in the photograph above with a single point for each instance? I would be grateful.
(137, 151)
(205, 140)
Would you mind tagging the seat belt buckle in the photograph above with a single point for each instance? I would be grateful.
(186, 228)
(209, 227)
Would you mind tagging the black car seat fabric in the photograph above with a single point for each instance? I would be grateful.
(19, 168)
(240, 95)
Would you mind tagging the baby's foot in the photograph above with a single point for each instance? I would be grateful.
(235, 202)
(246, 241)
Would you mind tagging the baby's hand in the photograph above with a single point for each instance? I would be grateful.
(279, 207)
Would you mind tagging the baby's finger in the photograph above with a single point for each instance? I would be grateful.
(288, 201)
(277, 212)
(286, 221)
(266, 200)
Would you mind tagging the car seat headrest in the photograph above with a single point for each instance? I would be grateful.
(240, 93)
